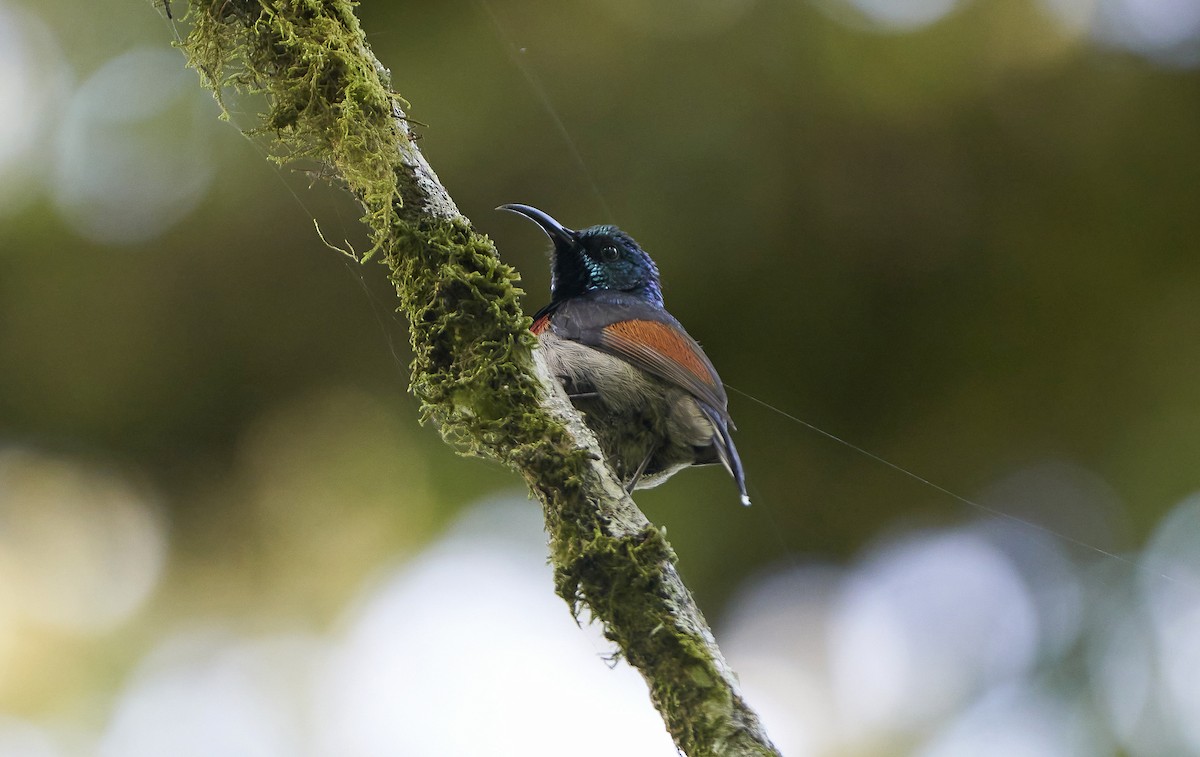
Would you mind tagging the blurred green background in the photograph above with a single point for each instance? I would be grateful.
(961, 235)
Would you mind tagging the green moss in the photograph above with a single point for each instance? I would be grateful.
(326, 102)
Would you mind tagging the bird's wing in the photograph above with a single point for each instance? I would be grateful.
(648, 338)
(667, 352)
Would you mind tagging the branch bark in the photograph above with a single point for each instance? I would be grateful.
(476, 370)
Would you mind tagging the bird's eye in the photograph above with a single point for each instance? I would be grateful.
(609, 254)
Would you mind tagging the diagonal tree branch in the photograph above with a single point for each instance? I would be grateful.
(476, 372)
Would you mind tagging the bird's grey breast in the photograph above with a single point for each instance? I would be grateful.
(621, 386)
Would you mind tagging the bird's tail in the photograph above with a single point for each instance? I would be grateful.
(728, 452)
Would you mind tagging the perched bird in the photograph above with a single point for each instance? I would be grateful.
(646, 389)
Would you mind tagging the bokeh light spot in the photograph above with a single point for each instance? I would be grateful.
(205, 693)
(946, 613)
(133, 153)
(1157, 24)
(776, 639)
(337, 483)
(81, 548)
(33, 80)
(20, 739)
(1121, 655)
(1075, 16)
(675, 18)
(1018, 719)
(1049, 577)
(1171, 582)
(889, 15)
(471, 633)
(1166, 31)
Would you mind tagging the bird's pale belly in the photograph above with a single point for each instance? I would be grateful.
(637, 417)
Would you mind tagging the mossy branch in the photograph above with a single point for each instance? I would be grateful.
(476, 372)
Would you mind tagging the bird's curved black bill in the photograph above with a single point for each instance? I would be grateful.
(558, 233)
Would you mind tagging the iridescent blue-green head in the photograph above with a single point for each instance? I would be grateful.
(595, 258)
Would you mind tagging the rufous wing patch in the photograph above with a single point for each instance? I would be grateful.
(540, 325)
(661, 338)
